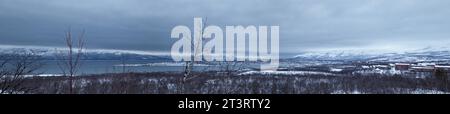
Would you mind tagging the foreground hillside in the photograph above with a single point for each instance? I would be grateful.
(210, 83)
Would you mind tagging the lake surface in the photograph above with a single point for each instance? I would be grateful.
(116, 66)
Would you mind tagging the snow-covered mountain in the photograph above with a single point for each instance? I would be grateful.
(92, 54)
(415, 55)
(340, 54)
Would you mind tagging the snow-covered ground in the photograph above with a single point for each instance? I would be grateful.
(159, 64)
(286, 73)
(405, 91)
(43, 75)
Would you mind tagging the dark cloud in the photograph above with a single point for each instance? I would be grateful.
(304, 24)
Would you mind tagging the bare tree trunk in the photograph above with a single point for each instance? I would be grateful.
(69, 61)
(189, 66)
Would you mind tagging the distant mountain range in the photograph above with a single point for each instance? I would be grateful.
(90, 54)
(419, 55)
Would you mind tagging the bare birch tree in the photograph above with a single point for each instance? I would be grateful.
(189, 65)
(70, 58)
(14, 69)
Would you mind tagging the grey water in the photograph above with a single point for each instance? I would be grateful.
(110, 66)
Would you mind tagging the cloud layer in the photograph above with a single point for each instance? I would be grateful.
(304, 24)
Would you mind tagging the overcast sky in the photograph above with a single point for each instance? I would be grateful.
(304, 24)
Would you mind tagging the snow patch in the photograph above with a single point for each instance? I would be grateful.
(286, 73)
(176, 64)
